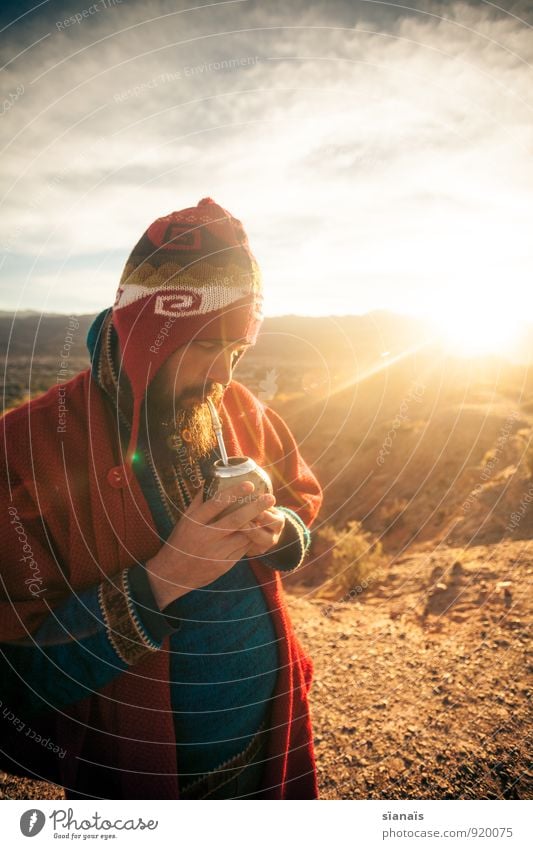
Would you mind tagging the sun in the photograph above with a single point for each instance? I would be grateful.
(470, 330)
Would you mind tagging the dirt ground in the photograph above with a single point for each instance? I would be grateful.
(422, 687)
(422, 682)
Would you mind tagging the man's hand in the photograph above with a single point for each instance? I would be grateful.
(200, 547)
(264, 531)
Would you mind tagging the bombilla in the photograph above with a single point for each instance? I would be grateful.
(217, 426)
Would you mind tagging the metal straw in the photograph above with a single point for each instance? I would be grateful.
(217, 426)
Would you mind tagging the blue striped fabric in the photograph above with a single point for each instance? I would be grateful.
(224, 659)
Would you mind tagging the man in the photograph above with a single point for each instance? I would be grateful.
(148, 645)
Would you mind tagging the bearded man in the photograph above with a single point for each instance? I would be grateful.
(147, 647)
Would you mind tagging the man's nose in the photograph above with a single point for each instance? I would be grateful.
(221, 369)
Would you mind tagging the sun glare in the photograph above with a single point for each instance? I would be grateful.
(469, 332)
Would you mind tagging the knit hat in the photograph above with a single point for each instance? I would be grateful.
(191, 276)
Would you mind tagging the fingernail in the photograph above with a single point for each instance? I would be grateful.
(247, 486)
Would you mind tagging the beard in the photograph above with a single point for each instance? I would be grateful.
(186, 416)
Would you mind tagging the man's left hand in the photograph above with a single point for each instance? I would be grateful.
(265, 531)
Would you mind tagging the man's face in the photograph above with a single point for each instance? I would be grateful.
(175, 399)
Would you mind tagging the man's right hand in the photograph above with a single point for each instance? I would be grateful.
(200, 548)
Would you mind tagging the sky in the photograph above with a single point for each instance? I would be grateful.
(378, 154)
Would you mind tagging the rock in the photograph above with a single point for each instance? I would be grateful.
(457, 570)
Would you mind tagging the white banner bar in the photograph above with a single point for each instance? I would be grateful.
(269, 825)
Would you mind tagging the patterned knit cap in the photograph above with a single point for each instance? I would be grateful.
(191, 276)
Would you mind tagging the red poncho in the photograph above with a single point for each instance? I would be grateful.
(80, 527)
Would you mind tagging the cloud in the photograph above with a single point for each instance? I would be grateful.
(373, 153)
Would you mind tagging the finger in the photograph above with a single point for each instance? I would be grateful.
(258, 547)
(271, 518)
(270, 513)
(240, 517)
(238, 544)
(260, 538)
(196, 501)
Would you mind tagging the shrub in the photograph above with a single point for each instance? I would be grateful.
(391, 514)
(348, 556)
